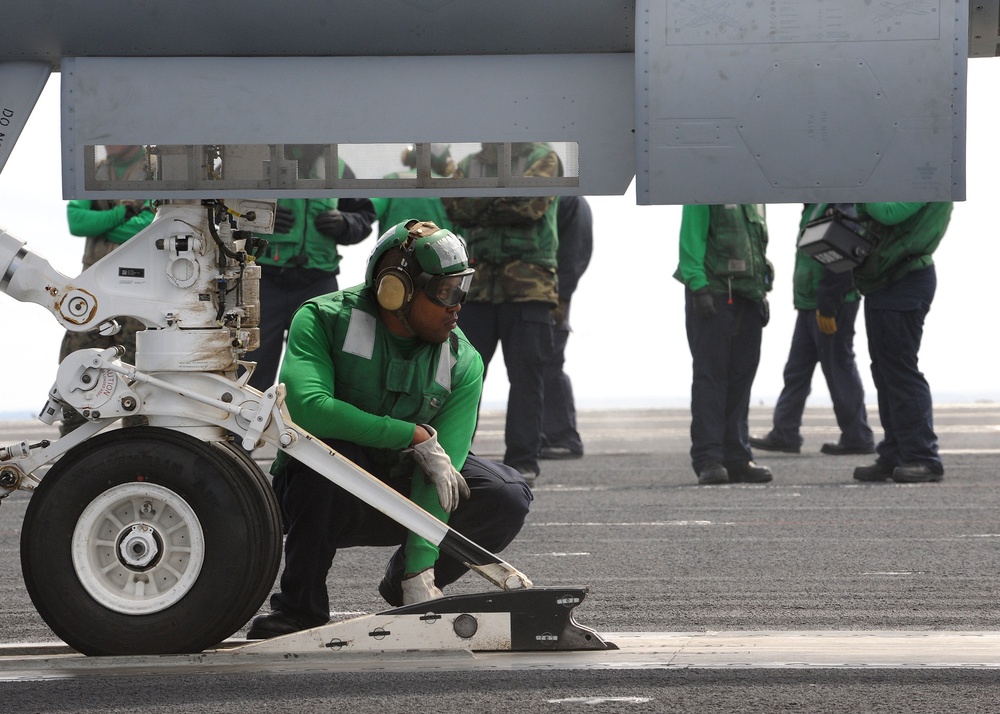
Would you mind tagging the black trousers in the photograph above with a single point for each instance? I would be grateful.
(524, 332)
(559, 408)
(282, 291)
(894, 319)
(725, 351)
(321, 517)
(835, 355)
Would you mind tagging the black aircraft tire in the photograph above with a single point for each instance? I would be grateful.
(268, 565)
(149, 541)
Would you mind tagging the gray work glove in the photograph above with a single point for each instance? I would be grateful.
(704, 303)
(450, 484)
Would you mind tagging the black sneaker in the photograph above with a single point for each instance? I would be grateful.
(713, 475)
(916, 473)
(749, 472)
(391, 592)
(838, 449)
(559, 452)
(529, 477)
(876, 472)
(390, 588)
(277, 623)
(769, 443)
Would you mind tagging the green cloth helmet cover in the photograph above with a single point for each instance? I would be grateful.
(424, 248)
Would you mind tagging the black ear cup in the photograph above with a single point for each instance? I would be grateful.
(393, 288)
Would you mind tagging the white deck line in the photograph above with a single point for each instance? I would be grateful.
(825, 649)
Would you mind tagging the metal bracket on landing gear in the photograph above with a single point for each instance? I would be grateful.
(515, 620)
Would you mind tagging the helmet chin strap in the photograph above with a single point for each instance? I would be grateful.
(401, 315)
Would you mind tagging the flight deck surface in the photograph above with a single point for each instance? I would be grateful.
(814, 589)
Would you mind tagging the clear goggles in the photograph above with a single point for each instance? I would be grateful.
(448, 290)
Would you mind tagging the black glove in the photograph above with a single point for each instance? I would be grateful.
(765, 312)
(704, 303)
(331, 224)
(283, 220)
(134, 208)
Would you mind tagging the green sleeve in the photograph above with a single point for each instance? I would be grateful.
(693, 243)
(455, 425)
(308, 374)
(109, 224)
(889, 214)
(456, 422)
(381, 205)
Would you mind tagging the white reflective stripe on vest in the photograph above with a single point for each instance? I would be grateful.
(445, 362)
(360, 338)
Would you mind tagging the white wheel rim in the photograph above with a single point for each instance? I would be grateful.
(138, 548)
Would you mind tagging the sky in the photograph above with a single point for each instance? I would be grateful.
(628, 348)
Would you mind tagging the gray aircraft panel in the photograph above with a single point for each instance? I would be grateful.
(582, 99)
(793, 101)
(49, 30)
(984, 28)
(702, 100)
(21, 84)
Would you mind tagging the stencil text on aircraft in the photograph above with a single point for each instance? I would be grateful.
(699, 22)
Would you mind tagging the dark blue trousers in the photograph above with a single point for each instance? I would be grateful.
(725, 351)
(835, 355)
(559, 411)
(894, 319)
(321, 517)
(524, 332)
(282, 291)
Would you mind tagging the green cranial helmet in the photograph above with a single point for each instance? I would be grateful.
(417, 255)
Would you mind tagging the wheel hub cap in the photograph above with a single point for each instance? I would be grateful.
(139, 547)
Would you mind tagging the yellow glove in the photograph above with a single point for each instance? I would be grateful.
(827, 325)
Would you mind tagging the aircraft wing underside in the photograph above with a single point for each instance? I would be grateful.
(702, 101)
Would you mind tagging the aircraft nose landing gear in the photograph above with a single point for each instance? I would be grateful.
(148, 541)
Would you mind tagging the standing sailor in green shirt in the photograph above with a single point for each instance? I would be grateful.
(827, 304)
(898, 280)
(303, 255)
(383, 375)
(727, 276)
